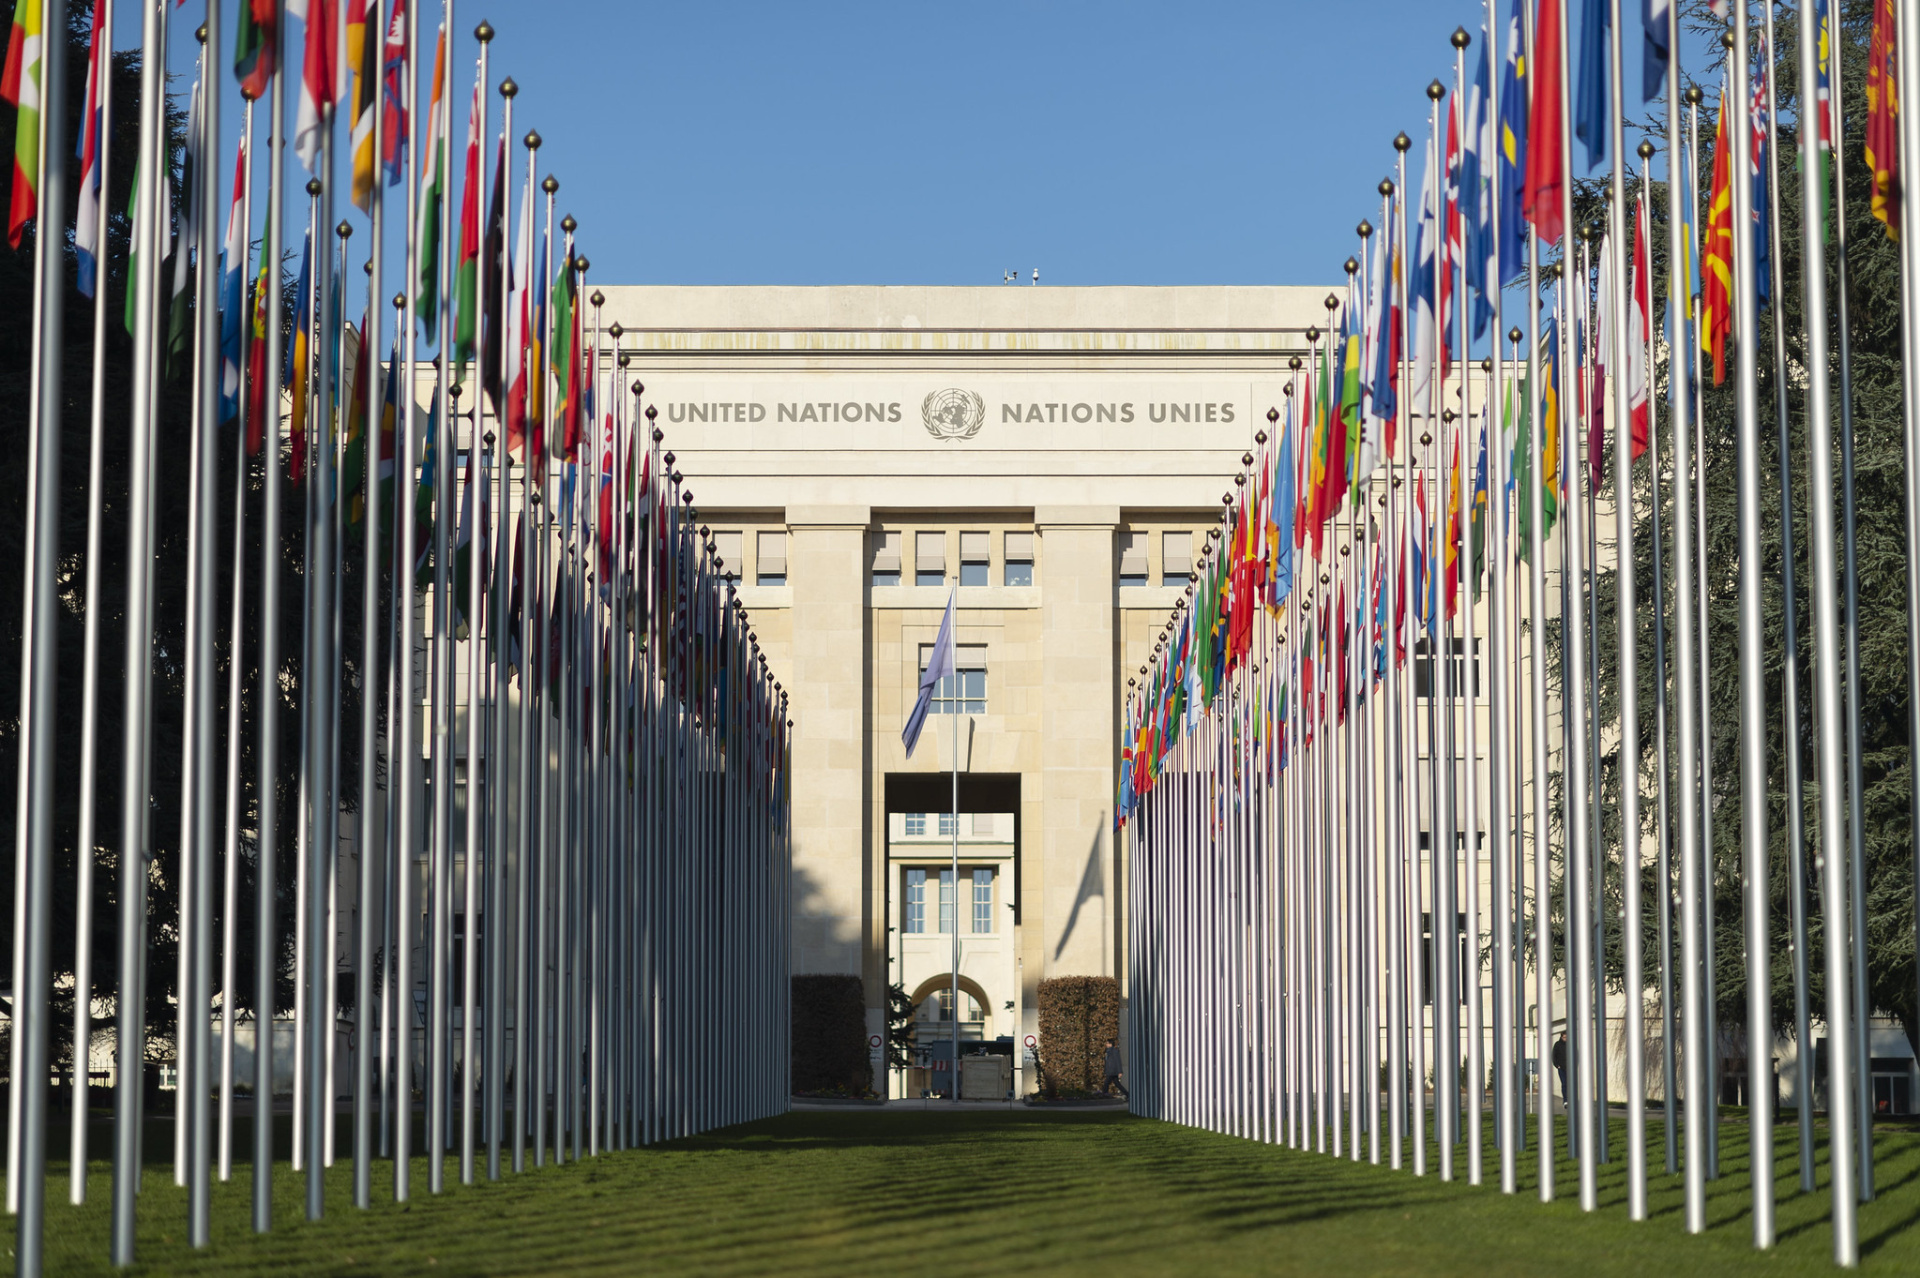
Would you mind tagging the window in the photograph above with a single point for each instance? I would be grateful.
(930, 559)
(946, 902)
(916, 824)
(982, 899)
(1133, 559)
(941, 1006)
(946, 825)
(1176, 558)
(886, 559)
(1430, 957)
(1018, 569)
(771, 570)
(965, 691)
(983, 824)
(1456, 668)
(728, 547)
(973, 559)
(916, 916)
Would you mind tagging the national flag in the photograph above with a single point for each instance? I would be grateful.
(1477, 519)
(1759, 156)
(394, 103)
(257, 355)
(363, 58)
(493, 269)
(86, 224)
(1476, 198)
(296, 374)
(466, 268)
(1654, 39)
(1716, 266)
(233, 261)
(1593, 110)
(1549, 447)
(479, 465)
(1600, 354)
(20, 86)
(254, 41)
(1546, 166)
(1429, 261)
(1639, 325)
(179, 332)
(355, 396)
(1883, 112)
(1511, 178)
(525, 362)
(566, 359)
(1282, 508)
(433, 187)
(1450, 544)
(1379, 359)
(940, 665)
(318, 75)
(1454, 250)
(423, 495)
(1423, 585)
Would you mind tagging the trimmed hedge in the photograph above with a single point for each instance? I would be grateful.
(1078, 1014)
(830, 1036)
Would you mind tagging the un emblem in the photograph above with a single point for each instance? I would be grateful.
(953, 414)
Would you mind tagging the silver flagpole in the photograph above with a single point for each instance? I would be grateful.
(1395, 227)
(502, 916)
(266, 947)
(1905, 27)
(532, 664)
(39, 654)
(1790, 638)
(372, 835)
(1629, 656)
(90, 655)
(1704, 1014)
(1827, 655)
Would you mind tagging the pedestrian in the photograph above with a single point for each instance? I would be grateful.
(1112, 1070)
(1560, 1067)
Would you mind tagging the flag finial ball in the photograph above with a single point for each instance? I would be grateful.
(1460, 38)
(1293, 362)
(669, 461)
(487, 439)
(1425, 439)
(1486, 366)
(652, 413)
(344, 231)
(581, 264)
(533, 139)
(598, 298)
(1333, 299)
(483, 32)
(568, 225)
(625, 359)
(1260, 436)
(1514, 334)
(1352, 266)
(1386, 186)
(313, 186)
(687, 497)
(1436, 90)
(454, 390)
(1365, 228)
(1273, 414)
(1645, 149)
(200, 33)
(399, 301)
(1246, 459)
(1694, 95)
(637, 387)
(1401, 142)
(1726, 39)
(613, 329)
(1448, 416)
(549, 184)
(1313, 333)
(508, 88)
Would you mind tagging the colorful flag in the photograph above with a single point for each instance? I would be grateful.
(493, 267)
(1759, 156)
(1546, 166)
(1639, 323)
(394, 113)
(466, 268)
(318, 73)
(1450, 543)
(295, 376)
(1716, 300)
(1653, 47)
(433, 187)
(1883, 110)
(257, 356)
(1282, 507)
(1593, 111)
(1511, 180)
(1477, 562)
(233, 261)
(21, 88)
(86, 224)
(525, 361)
(566, 367)
(1429, 261)
(1476, 199)
(363, 57)
(254, 40)
(1379, 358)
(423, 504)
(1599, 351)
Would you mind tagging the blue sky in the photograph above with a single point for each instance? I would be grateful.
(1108, 143)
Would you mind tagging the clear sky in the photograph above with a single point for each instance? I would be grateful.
(1103, 143)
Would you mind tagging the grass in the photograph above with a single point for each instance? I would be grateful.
(1105, 1193)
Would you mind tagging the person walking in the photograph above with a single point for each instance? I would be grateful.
(1112, 1071)
(1560, 1068)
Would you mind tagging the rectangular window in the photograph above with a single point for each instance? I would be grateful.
(983, 825)
(771, 568)
(946, 902)
(1456, 669)
(886, 559)
(916, 916)
(1176, 558)
(728, 549)
(982, 899)
(1018, 566)
(965, 691)
(930, 559)
(973, 559)
(916, 824)
(946, 825)
(1133, 559)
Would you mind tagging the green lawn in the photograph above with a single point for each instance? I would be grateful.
(1100, 1193)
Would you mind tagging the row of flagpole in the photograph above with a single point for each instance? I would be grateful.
(599, 806)
(1321, 848)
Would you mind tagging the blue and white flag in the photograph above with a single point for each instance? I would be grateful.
(86, 226)
(939, 666)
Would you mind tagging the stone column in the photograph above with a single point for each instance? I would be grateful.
(1077, 734)
(827, 569)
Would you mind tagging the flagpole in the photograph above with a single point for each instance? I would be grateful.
(1909, 158)
(1827, 657)
(499, 911)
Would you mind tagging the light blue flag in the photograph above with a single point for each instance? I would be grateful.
(939, 666)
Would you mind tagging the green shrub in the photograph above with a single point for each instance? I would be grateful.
(1078, 1014)
(830, 1037)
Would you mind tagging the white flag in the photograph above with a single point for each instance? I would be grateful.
(939, 666)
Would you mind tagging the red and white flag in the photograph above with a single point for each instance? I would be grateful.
(319, 79)
(1638, 326)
